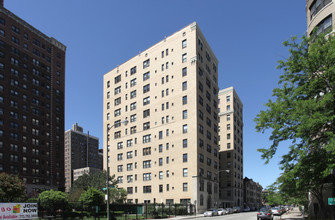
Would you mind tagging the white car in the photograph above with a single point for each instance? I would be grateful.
(211, 212)
(222, 211)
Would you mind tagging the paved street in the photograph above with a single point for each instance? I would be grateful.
(292, 215)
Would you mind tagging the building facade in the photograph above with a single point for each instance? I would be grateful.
(252, 192)
(81, 151)
(320, 16)
(168, 150)
(231, 148)
(32, 75)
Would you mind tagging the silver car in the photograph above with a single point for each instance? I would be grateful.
(211, 212)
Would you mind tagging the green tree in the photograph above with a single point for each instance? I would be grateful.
(12, 188)
(118, 195)
(302, 112)
(52, 200)
(92, 197)
(84, 182)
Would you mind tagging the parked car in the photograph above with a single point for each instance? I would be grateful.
(222, 211)
(230, 211)
(236, 209)
(246, 209)
(211, 212)
(276, 210)
(265, 213)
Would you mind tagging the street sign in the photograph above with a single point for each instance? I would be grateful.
(331, 201)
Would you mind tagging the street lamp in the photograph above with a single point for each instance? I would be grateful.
(125, 122)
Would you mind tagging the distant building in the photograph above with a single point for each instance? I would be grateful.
(231, 148)
(81, 151)
(168, 151)
(32, 82)
(85, 170)
(252, 194)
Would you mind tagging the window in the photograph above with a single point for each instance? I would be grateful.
(133, 106)
(117, 134)
(146, 189)
(184, 43)
(201, 129)
(129, 142)
(129, 166)
(119, 145)
(130, 178)
(209, 148)
(228, 107)
(228, 127)
(146, 113)
(117, 101)
(325, 25)
(316, 6)
(146, 100)
(185, 187)
(133, 94)
(184, 86)
(185, 100)
(201, 158)
(160, 175)
(146, 88)
(116, 80)
(228, 117)
(147, 138)
(201, 115)
(133, 130)
(201, 101)
(228, 136)
(160, 188)
(160, 135)
(185, 172)
(209, 161)
(146, 176)
(117, 112)
(146, 126)
(184, 57)
(119, 168)
(184, 158)
(184, 71)
(119, 156)
(228, 145)
(146, 76)
(160, 161)
(146, 63)
(133, 70)
(185, 114)
(185, 128)
(133, 118)
(184, 143)
(132, 82)
(146, 151)
(228, 98)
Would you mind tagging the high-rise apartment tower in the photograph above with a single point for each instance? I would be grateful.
(32, 74)
(168, 151)
(81, 150)
(231, 148)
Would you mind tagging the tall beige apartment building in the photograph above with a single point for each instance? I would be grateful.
(320, 15)
(231, 148)
(168, 151)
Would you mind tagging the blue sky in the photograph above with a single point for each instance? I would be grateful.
(246, 37)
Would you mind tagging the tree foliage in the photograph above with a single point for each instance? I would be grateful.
(302, 112)
(12, 188)
(96, 180)
(92, 197)
(52, 200)
(118, 195)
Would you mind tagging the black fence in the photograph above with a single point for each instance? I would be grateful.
(77, 210)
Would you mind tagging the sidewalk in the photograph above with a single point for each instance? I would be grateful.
(295, 214)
